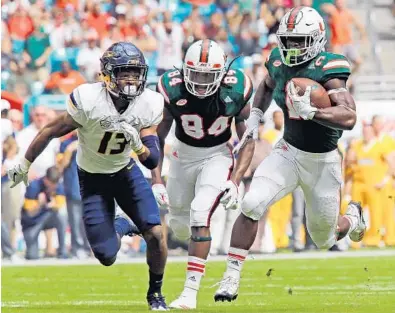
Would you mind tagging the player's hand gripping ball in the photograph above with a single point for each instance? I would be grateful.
(318, 95)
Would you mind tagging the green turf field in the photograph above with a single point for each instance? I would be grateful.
(358, 285)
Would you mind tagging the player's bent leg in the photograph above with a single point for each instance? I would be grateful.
(322, 193)
(98, 219)
(98, 215)
(134, 196)
(275, 177)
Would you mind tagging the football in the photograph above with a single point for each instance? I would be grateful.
(319, 97)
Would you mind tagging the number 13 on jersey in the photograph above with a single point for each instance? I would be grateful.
(193, 126)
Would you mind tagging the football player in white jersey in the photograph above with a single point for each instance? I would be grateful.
(114, 117)
(203, 99)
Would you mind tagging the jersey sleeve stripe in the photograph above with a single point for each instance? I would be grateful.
(336, 64)
(73, 102)
(247, 86)
(162, 90)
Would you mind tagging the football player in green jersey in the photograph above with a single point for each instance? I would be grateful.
(307, 156)
(203, 99)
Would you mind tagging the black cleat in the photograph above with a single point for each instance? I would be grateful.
(156, 302)
(224, 297)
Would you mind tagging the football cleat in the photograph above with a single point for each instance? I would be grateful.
(133, 230)
(184, 302)
(355, 211)
(228, 289)
(156, 302)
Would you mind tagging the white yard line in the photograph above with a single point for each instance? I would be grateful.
(183, 259)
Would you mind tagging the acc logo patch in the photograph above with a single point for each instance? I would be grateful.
(181, 102)
(277, 63)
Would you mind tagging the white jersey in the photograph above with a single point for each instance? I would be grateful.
(101, 151)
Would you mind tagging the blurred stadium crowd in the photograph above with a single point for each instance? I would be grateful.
(52, 46)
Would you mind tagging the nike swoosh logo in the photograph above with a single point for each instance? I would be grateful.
(309, 24)
(129, 167)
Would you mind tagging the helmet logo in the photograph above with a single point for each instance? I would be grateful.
(108, 54)
(133, 62)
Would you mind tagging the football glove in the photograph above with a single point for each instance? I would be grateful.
(301, 104)
(19, 173)
(160, 194)
(231, 195)
(252, 128)
(132, 136)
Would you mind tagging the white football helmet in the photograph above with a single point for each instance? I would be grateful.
(204, 68)
(301, 35)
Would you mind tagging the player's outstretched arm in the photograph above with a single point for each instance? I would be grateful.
(342, 114)
(163, 130)
(57, 128)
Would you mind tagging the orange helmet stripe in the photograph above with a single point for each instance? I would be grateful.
(205, 50)
(292, 18)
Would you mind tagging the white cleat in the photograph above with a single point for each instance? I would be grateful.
(184, 302)
(355, 211)
(228, 289)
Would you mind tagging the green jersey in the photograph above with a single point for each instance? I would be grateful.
(306, 135)
(205, 122)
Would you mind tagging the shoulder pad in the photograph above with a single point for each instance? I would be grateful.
(273, 61)
(170, 85)
(332, 66)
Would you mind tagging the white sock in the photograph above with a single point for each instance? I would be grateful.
(236, 258)
(195, 271)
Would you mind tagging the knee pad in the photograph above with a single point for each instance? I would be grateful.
(107, 262)
(106, 252)
(180, 228)
(255, 204)
(203, 206)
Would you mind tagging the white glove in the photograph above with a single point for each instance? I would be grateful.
(231, 195)
(160, 194)
(19, 173)
(252, 128)
(132, 136)
(301, 104)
